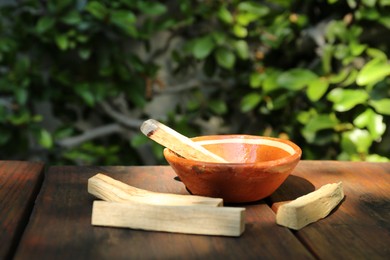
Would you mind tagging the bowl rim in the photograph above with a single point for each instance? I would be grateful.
(296, 155)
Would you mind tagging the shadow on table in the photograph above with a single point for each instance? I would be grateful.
(292, 188)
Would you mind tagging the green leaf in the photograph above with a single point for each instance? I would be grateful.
(278, 102)
(341, 52)
(21, 95)
(203, 47)
(225, 58)
(337, 78)
(63, 132)
(384, 3)
(23, 65)
(385, 21)
(138, 139)
(152, 8)
(137, 97)
(345, 99)
(381, 106)
(250, 101)
(224, 15)
(97, 10)
(376, 54)
(44, 24)
(350, 79)
(244, 19)
(218, 106)
(84, 53)
(166, 24)
(253, 7)
(256, 79)
(357, 49)
(88, 97)
(317, 89)
(7, 44)
(372, 121)
(21, 118)
(123, 18)
(219, 37)
(304, 117)
(335, 30)
(79, 156)
(318, 123)
(62, 42)
(158, 150)
(327, 58)
(270, 82)
(84, 91)
(37, 118)
(240, 31)
(356, 140)
(72, 18)
(367, 14)
(296, 79)
(352, 4)
(376, 158)
(45, 139)
(321, 122)
(370, 3)
(82, 38)
(373, 72)
(242, 49)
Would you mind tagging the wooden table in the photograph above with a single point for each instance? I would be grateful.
(19, 186)
(59, 226)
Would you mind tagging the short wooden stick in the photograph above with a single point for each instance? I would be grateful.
(220, 221)
(177, 142)
(109, 189)
(311, 207)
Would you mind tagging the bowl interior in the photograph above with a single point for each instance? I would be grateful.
(247, 149)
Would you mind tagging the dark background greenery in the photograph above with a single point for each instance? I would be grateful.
(77, 78)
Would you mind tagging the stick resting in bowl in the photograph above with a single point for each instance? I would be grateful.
(177, 142)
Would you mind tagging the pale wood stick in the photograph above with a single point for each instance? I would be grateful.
(222, 221)
(109, 189)
(177, 142)
(311, 207)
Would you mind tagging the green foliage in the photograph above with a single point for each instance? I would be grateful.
(76, 76)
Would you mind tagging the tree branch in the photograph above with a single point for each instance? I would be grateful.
(91, 134)
(119, 117)
(161, 50)
(191, 84)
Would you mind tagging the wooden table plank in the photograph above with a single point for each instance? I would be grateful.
(360, 227)
(19, 185)
(60, 224)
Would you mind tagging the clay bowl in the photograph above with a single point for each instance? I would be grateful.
(257, 167)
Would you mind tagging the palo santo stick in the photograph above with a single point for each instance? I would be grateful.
(177, 142)
(109, 189)
(221, 221)
(310, 207)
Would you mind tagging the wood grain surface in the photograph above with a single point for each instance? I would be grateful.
(19, 185)
(359, 228)
(60, 225)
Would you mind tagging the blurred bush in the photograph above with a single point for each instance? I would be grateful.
(78, 77)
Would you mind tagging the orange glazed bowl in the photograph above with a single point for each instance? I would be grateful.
(257, 167)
